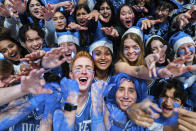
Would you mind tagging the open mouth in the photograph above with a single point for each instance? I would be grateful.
(166, 109)
(83, 80)
(68, 55)
(82, 22)
(103, 63)
(13, 54)
(38, 47)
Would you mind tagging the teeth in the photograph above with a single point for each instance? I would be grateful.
(83, 79)
(102, 62)
(12, 55)
(68, 55)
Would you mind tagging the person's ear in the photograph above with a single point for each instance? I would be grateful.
(70, 75)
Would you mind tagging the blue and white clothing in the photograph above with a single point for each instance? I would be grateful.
(83, 119)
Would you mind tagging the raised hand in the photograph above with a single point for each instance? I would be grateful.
(33, 83)
(97, 90)
(186, 120)
(68, 5)
(142, 114)
(152, 59)
(47, 13)
(148, 23)
(74, 26)
(176, 68)
(54, 58)
(53, 101)
(183, 18)
(118, 116)
(70, 90)
(18, 5)
(110, 31)
(92, 15)
(140, 8)
(4, 12)
(33, 56)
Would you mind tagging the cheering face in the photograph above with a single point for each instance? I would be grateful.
(70, 49)
(59, 21)
(131, 50)
(156, 47)
(168, 102)
(162, 13)
(10, 50)
(105, 11)
(33, 41)
(83, 73)
(102, 58)
(7, 4)
(34, 8)
(126, 94)
(187, 49)
(127, 16)
(80, 17)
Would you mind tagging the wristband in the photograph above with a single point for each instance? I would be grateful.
(70, 107)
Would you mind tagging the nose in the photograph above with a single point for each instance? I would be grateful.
(127, 15)
(168, 101)
(9, 51)
(125, 94)
(131, 50)
(103, 57)
(84, 70)
(34, 42)
(159, 13)
(59, 20)
(187, 51)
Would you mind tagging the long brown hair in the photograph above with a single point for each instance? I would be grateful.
(137, 39)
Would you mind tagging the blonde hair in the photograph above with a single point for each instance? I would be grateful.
(82, 54)
(137, 39)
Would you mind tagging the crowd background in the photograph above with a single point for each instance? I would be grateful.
(97, 65)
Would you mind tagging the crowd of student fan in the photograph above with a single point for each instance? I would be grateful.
(97, 65)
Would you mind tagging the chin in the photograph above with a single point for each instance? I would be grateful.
(167, 115)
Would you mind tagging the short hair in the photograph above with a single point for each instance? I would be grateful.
(166, 4)
(137, 39)
(25, 28)
(6, 67)
(179, 89)
(82, 54)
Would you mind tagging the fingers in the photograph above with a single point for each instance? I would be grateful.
(184, 125)
(186, 112)
(148, 23)
(191, 10)
(155, 21)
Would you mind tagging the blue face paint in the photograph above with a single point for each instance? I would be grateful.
(64, 20)
(192, 49)
(125, 51)
(181, 52)
(92, 72)
(76, 72)
(139, 53)
(176, 105)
